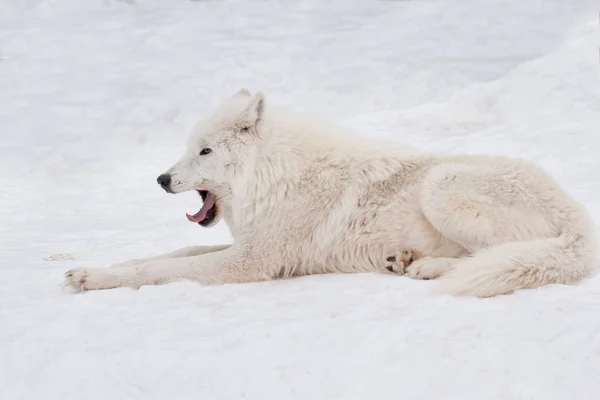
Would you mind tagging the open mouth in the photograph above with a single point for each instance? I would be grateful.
(208, 212)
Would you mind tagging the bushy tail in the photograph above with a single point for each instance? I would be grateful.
(511, 266)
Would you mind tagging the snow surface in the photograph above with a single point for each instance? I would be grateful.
(96, 99)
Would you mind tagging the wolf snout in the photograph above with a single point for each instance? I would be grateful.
(164, 180)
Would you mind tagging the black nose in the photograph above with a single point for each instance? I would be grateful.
(164, 180)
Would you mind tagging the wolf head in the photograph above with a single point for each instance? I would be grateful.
(218, 149)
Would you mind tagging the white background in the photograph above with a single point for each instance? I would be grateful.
(97, 98)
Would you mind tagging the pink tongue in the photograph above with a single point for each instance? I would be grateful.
(200, 215)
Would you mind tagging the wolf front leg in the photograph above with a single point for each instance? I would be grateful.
(233, 265)
(185, 252)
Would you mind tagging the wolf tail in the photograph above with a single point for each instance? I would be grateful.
(510, 266)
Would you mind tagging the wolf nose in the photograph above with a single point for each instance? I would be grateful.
(164, 180)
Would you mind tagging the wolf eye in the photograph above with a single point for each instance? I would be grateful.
(245, 128)
(206, 151)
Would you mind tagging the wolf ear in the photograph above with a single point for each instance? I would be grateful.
(254, 112)
(243, 92)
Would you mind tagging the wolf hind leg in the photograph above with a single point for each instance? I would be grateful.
(499, 216)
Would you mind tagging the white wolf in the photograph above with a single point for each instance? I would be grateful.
(301, 199)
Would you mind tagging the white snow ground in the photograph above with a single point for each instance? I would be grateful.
(96, 99)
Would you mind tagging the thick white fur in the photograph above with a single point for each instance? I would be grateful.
(301, 198)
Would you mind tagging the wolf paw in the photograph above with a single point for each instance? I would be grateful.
(82, 279)
(430, 267)
(399, 262)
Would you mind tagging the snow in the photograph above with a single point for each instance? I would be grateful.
(97, 98)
